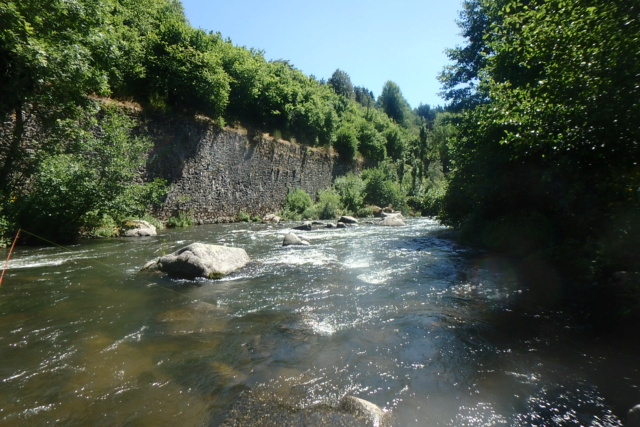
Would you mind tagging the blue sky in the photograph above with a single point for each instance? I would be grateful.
(373, 41)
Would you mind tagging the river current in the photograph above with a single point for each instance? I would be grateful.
(432, 332)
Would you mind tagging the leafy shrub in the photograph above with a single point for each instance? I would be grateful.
(244, 217)
(382, 190)
(181, 220)
(346, 143)
(365, 212)
(328, 205)
(372, 144)
(153, 221)
(89, 182)
(99, 225)
(6, 228)
(298, 201)
(350, 188)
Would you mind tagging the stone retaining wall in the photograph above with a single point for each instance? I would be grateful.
(216, 173)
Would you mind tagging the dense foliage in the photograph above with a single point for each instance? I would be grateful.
(545, 156)
(57, 57)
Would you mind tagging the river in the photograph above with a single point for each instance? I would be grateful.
(434, 333)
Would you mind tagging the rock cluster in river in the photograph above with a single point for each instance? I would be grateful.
(389, 219)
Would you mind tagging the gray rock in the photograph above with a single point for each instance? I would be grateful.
(272, 218)
(137, 228)
(293, 240)
(394, 220)
(348, 220)
(341, 225)
(330, 225)
(363, 410)
(306, 226)
(633, 417)
(384, 214)
(200, 260)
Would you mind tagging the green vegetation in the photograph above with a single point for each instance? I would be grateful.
(328, 204)
(243, 217)
(60, 57)
(298, 205)
(544, 157)
(182, 219)
(349, 195)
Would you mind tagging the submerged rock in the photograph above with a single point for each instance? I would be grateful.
(137, 228)
(262, 408)
(200, 260)
(633, 417)
(363, 410)
(293, 240)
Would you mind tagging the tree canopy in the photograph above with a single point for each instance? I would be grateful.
(545, 160)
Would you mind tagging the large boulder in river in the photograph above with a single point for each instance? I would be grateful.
(293, 240)
(137, 228)
(201, 260)
(393, 220)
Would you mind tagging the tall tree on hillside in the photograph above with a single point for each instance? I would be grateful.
(460, 79)
(341, 84)
(364, 96)
(393, 103)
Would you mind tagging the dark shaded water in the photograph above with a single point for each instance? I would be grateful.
(430, 331)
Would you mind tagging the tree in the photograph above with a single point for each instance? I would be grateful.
(346, 143)
(393, 103)
(364, 97)
(382, 188)
(371, 143)
(184, 69)
(460, 80)
(341, 84)
(428, 113)
(46, 70)
(558, 118)
(94, 176)
(351, 190)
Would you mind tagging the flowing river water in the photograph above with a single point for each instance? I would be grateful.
(432, 332)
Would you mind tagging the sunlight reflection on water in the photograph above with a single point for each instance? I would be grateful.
(402, 317)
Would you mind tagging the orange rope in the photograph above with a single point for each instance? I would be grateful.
(6, 263)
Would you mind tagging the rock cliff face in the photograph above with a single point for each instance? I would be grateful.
(215, 173)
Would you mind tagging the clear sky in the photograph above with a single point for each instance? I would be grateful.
(373, 41)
